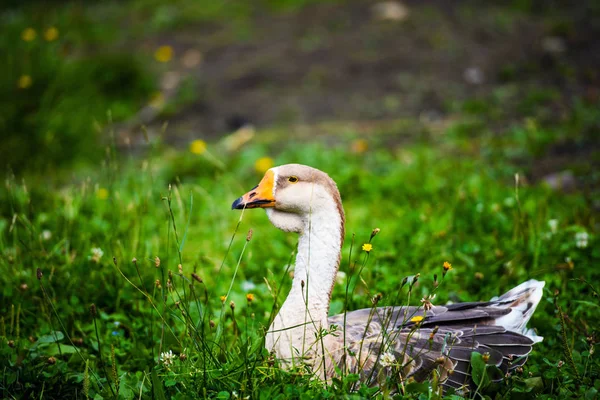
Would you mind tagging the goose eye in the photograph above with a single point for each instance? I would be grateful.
(293, 179)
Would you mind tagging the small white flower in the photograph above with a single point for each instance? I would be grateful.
(97, 254)
(340, 278)
(387, 359)
(553, 225)
(581, 239)
(167, 358)
(46, 234)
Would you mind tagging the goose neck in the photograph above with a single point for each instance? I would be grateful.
(317, 263)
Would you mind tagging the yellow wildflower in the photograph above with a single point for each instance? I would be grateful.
(223, 298)
(447, 266)
(416, 319)
(485, 357)
(28, 34)
(163, 54)
(367, 247)
(360, 146)
(102, 194)
(198, 146)
(263, 164)
(51, 34)
(25, 81)
(250, 297)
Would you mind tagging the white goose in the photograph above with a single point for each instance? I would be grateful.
(375, 342)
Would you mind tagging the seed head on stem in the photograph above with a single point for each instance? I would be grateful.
(196, 277)
(374, 233)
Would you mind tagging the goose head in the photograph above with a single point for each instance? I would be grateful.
(291, 194)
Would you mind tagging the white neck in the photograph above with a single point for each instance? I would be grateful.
(304, 312)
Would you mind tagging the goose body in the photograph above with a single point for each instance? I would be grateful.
(377, 342)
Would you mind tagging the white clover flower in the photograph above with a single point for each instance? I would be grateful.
(553, 225)
(581, 239)
(167, 358)
(387, 359)
(46, 234)
(96, 255)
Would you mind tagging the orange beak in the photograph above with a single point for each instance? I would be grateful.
(259, 197)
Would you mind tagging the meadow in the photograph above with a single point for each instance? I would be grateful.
(127, 275)
(136, 279)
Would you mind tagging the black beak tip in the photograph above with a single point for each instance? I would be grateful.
(238, 204)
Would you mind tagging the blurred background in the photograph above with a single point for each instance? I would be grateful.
(78, 75)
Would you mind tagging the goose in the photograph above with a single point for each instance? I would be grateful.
(379, 342)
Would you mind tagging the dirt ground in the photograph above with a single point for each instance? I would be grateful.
(377, 61)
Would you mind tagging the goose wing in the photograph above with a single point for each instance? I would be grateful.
(412, 342)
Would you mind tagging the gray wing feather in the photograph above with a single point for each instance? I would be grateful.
(444, 340)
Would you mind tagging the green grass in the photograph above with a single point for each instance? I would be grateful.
(432, 204)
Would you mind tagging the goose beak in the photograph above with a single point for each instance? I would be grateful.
(259, 197)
